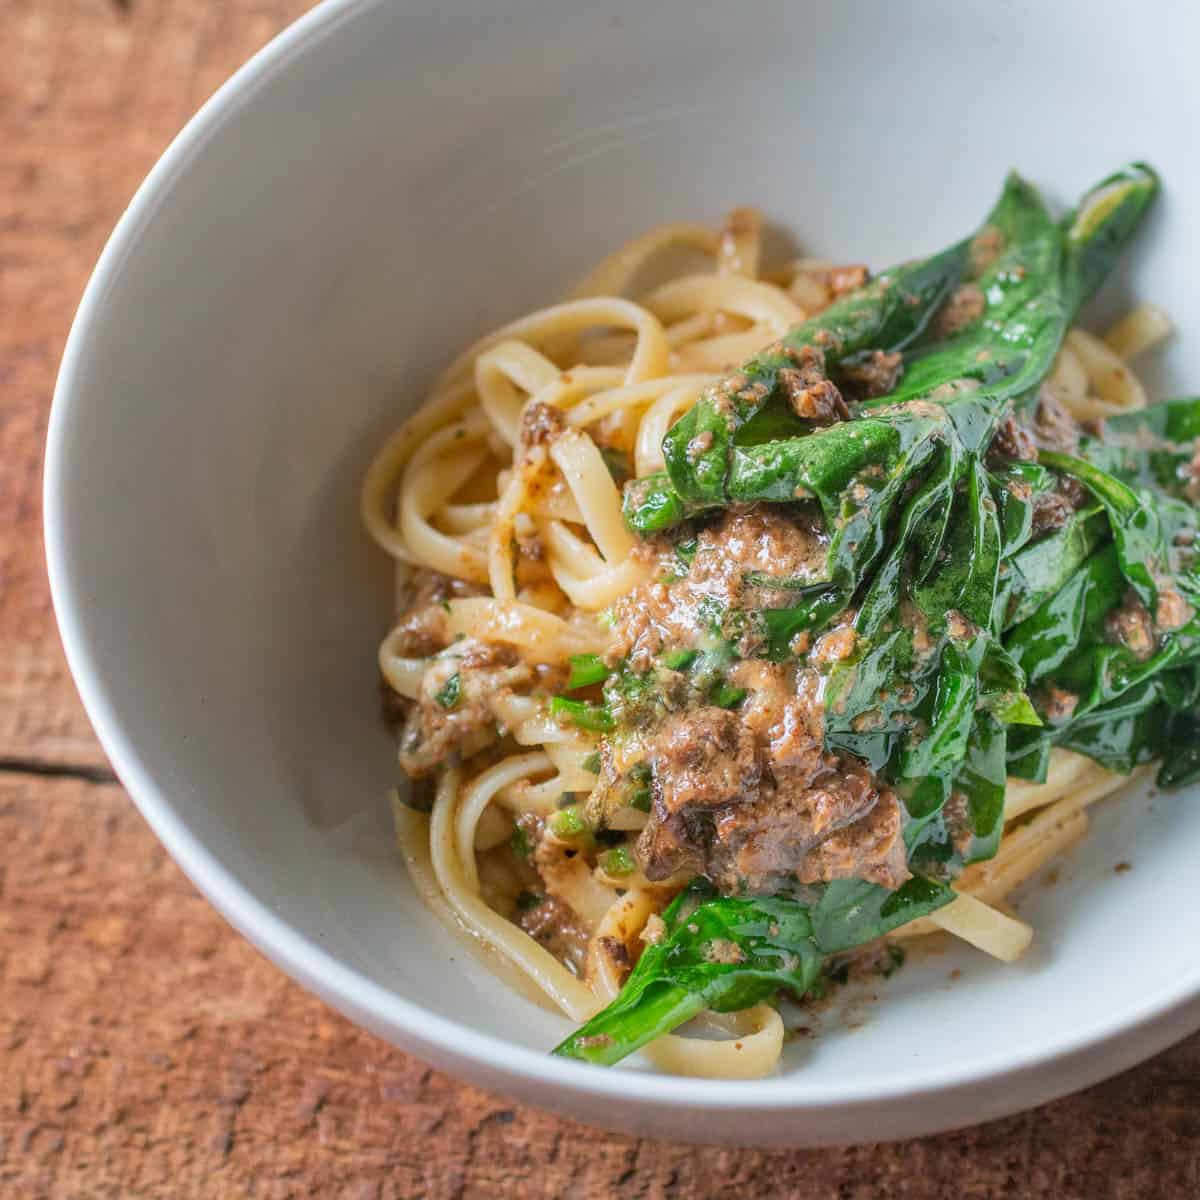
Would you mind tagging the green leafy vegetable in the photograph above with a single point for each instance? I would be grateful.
(679, 660)
(728, 953)
(1134, 519)
(888, 314)
(1181, 753)
(449, 693)
(586, 670)
(595, 718)
(724, 696)
(993, 617)
(617, 862)
(568, 824)
(519, 843)
(935, 547)
(640, 799)
(1029, 293)
(618, 464)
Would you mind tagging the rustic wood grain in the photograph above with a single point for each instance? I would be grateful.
(91, 91)
(149, 1052)
(146, 1050)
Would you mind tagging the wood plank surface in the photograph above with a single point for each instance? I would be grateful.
(91, 91)
(145, 1049)
(149, 1052)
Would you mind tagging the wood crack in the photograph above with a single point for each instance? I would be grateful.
(11, 764)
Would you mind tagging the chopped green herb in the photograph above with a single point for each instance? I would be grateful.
(679, 660)
(567, 799)
(763, 579)
(633, 696)
(640, 798)
(724, 696)
(586, 669)
(568, 824)
(449, 693)
(618, 464)
(637, 787)
(686, 550)
(519, 843)
(593, 717)
(592, 762)
(527, 900)
(617, 862)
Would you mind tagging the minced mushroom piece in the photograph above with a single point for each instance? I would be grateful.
(654, 930)
(1014, 441)
(616, 952)
(1057, 704)
(1051, 510)
(875, 374)
(842, 826)
(1130, 626)
(1172, 611)
(964, 306)
(811, 393)
(835, 646)
(454, 713)
(722, 950)
(541, 424)
(986, 246)
(556, 926)
(958, 627)
(848, 278)
(422, 625)
(700, 445)
(703, 758)
(743, 544)
(1053, 426)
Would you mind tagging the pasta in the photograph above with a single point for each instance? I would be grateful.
(512, 483)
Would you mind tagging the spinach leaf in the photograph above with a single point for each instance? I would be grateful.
(729, 953)
(1133, 516)
(980, 641)
(1181, 754)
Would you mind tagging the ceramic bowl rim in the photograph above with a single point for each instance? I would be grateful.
(302, 958)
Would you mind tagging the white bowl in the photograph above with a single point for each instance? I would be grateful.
(380, 185)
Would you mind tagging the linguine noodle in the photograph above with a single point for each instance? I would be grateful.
(456, 490)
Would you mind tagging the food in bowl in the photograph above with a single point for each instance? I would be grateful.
(716, 679)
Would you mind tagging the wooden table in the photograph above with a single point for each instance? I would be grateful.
(145, 1049)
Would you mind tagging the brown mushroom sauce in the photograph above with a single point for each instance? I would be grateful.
(747, 795)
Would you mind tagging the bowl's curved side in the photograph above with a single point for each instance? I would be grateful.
(212, 459)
